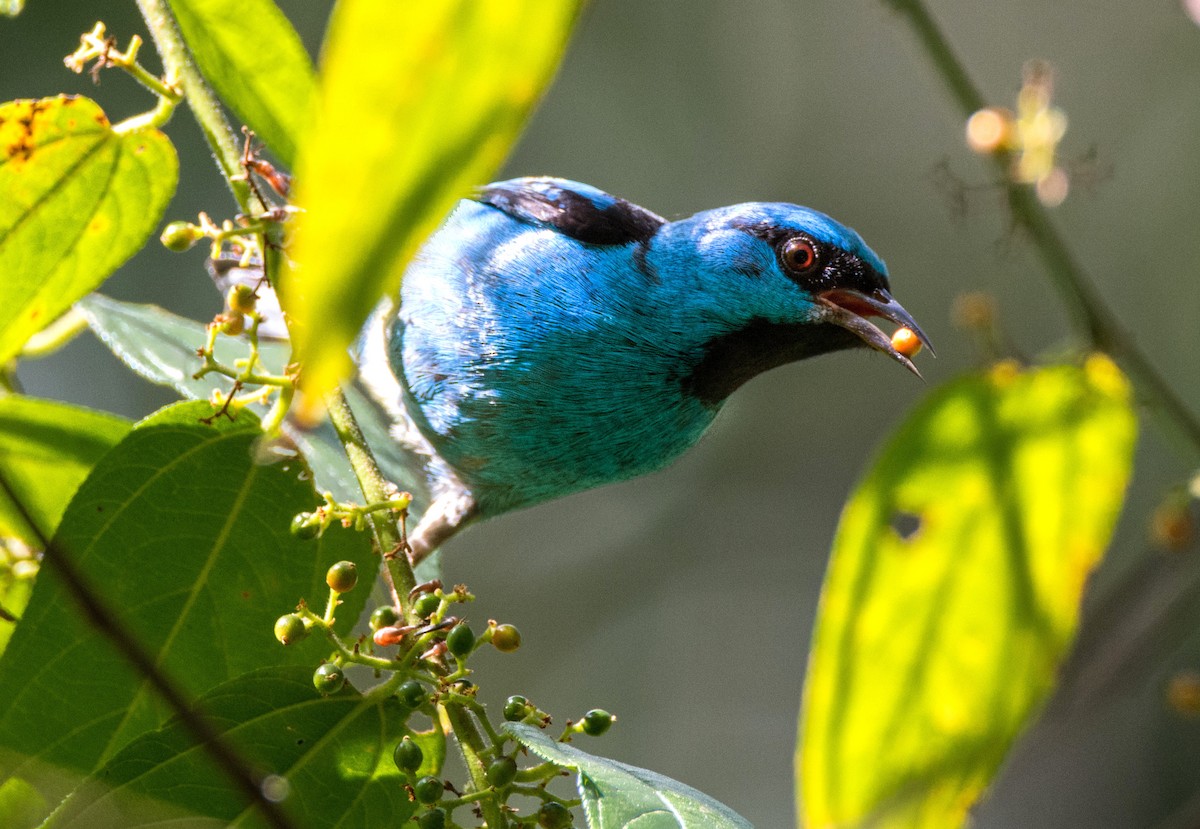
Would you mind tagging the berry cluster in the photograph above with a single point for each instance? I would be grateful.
(419, 650)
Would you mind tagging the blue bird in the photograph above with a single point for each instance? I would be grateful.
(551, 338)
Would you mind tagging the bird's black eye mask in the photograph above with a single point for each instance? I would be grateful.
(814, 265)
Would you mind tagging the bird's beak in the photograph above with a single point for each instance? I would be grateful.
(850, 309)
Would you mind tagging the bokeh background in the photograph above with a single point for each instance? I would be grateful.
(684, 601)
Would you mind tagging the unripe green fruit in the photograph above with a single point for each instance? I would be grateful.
(506, 638)
(408, 755)
(412, 693)
(460, 639)
(553, 816)
(426, 605)
(232, 324)
(501, 771)
(241, 299)
(428, 790)
(329, 679)
(290, 628)
(302, 529)
(342, 577)
(433, 819)
(516, 708)
(596, 722)
(179, 236)
(383, 616)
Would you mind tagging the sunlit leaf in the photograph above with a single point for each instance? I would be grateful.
(183, 530)
(11, 8)
(954, 590)
(331, 755)
(46, 450)
(21, 805)
(413, 109)
(617, 796)
(249, 52)
(79, 199)
(15, 589)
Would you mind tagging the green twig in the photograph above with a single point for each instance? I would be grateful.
(375, 487)
(1090, 315)
(471, 745)
(178, 63)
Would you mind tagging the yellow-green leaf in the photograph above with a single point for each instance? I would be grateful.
(249, 52)
(416, 104)
(954, 590)
(11, 8)
(47, 448)
(79, 198)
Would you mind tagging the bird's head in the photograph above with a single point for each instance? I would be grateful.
(787, 282)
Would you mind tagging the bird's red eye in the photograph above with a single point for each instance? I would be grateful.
(800, 256)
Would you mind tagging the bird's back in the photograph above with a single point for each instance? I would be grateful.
(537, 364)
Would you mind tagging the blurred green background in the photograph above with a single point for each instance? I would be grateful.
(683, 602)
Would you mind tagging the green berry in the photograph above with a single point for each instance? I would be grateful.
(241, 299)
(516, 708)
(231, 324)
(290, 628)
(433, 819)
(408, 755)
(329, 679)
(596, 722)
(460, 639)
(411, 693)
(301, 528)
(426, 605)
(179, 236)
(501, 771)
(553, 816)
(428, 790)
(383, 616)
(342, 577)
(506, 638)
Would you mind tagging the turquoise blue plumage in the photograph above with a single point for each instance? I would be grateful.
(551, 337)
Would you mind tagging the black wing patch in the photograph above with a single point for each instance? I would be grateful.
(584, 213)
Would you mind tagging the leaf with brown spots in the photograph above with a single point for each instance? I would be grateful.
(80, 198)
(954, 587)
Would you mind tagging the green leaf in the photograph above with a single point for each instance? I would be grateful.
(79, 199)
(185, 536)
(46, 450)
(249, 52)
(331, 755)
(935, 645)
(161, 347)
(15, 589)
(21, 806)
(616, 796)
(413, 109)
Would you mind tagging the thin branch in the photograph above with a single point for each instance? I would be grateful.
(375, 488)
(1091, 316)
(203, 103)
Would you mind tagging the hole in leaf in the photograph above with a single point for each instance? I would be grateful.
(905, 524)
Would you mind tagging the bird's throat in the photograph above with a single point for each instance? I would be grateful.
(732, 359)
